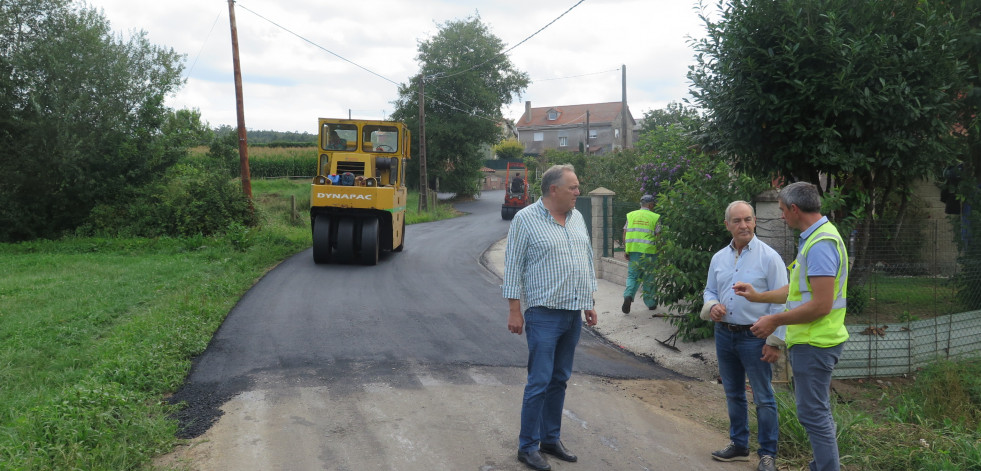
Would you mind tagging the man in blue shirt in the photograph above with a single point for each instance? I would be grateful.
(548, 265)
(740, 353)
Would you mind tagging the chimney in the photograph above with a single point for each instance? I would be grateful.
(528, 111)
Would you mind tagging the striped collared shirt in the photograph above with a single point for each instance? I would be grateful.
(548, 264)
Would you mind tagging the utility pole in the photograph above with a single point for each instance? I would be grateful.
(243, 144)
(587, 133)
(423, 178)
(623, 109)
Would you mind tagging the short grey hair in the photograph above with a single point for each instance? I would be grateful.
(803, 194)
(733, 205)
(553, 175)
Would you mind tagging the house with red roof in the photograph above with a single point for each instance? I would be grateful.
(594, 127)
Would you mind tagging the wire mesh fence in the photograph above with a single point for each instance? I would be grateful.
(912, 295)
(914, 292)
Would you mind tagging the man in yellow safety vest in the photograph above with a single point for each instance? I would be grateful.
(815, 316)
(638, 241)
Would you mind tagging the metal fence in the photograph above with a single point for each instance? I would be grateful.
(914, 293)
(910, 301)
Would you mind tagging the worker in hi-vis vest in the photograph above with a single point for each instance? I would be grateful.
(814, 316)
(638, 248)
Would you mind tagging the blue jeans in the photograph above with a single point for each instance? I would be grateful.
(637, 276)
(552, 338)
(812, 367)
(739, 356)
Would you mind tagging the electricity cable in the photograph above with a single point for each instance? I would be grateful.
(504, 53)
(319, 46)
(204, 43)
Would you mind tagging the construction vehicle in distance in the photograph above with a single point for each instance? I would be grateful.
(358, 198)
(516, 190)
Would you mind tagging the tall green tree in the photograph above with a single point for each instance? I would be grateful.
(81, 115)
(673, 114)
(467, 81)
(863, 92)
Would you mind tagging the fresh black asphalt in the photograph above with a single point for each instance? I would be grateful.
(433, 304)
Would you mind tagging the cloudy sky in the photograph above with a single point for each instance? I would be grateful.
(297, 55)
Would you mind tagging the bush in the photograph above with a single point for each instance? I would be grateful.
(692, 215)
(189, 200)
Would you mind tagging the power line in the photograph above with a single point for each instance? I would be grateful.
(439, 76)
(434, 76)
(434, 99)
(581, 75)
(204, 43)
(320, 47)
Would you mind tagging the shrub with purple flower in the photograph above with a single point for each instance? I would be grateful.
(653, 177)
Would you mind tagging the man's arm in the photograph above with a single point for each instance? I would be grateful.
(626, 254)
(770, 354)
(822, 298)
(516, 321)
(774, 296)
(710, 297)
(514, 261)
(590, 317)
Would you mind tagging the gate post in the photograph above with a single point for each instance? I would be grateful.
(770, 227)
(602, 223)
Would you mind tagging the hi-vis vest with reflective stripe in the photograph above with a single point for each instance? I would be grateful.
(640, 231)
(829, 330)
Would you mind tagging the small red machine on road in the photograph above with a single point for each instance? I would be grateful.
(516, 193)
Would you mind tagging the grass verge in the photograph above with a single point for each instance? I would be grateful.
(930, 423)
(94, 333)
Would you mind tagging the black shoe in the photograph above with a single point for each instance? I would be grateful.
(559, 451)
(626, 305)
(731, 453)
(534, 460)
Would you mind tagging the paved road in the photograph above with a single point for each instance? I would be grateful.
(405, 365)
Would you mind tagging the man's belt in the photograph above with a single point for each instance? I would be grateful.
(735, 327)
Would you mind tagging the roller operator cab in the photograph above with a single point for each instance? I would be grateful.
(358, 198)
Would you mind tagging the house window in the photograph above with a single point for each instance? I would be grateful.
(616, 133)
(553, 115)
(563, 141)
(592, 134)
(539, 136)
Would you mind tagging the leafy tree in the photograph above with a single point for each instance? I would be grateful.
(81, 115)
(186, 129)
(863, 93)
(467, 81)
(509, 149)
(969, 103)
(859, 91)
(674, 113)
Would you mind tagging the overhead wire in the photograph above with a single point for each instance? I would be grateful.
(505, 52)
(204, 43)
(319, 46)
(581, 75)
(434, 76)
